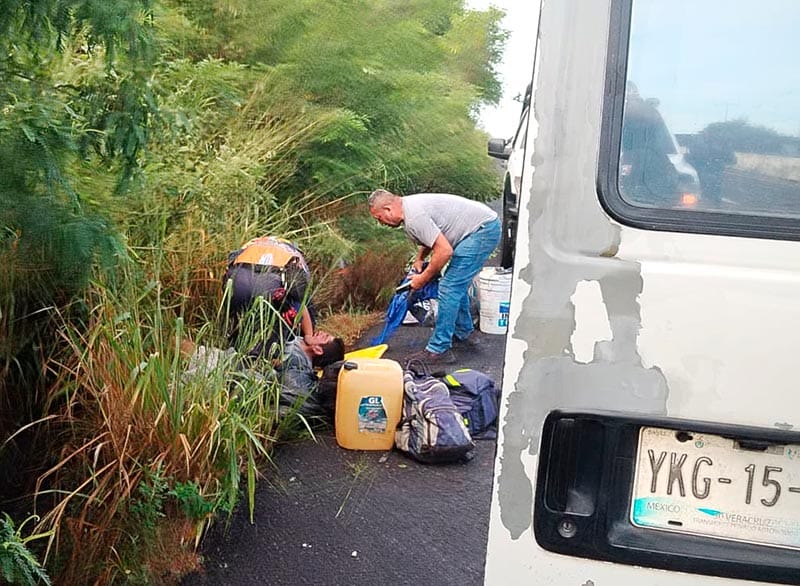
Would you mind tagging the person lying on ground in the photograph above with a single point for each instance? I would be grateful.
(296, 372)
(302, 358)
(274, 269)
(448, 228)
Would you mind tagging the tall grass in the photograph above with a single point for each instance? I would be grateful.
(132, 426)
(147, 455)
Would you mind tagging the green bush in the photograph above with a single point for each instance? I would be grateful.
(17, 564)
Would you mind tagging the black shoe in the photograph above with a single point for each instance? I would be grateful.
(470, 343)
(433, 358)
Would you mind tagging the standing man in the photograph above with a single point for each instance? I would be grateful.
(448, 228)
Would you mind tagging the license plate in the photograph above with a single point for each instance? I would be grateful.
(708, 485)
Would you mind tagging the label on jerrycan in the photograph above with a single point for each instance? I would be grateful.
(372, 415)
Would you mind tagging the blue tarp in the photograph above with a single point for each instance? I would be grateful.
(400, 304)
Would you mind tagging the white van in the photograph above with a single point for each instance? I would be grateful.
(650, 426)
(513, 152)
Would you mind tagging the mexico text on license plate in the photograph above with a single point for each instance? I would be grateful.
(708, 485)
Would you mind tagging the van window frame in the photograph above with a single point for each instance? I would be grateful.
(659, 219)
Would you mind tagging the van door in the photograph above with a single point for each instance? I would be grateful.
(650, 427)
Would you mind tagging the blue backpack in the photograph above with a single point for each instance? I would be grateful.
(431, 429)
(477, 398)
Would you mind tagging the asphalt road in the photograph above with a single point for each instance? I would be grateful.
(747, 191)
(325, 515)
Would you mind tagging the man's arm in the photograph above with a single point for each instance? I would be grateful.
(440, 254)
(422, 254)
(306, 325)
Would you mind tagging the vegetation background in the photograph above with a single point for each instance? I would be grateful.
(141, 140)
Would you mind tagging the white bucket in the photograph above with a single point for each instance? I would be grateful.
(494, 294)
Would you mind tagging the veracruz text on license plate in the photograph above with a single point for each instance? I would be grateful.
(708, 485)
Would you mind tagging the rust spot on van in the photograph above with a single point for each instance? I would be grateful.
(611, 251)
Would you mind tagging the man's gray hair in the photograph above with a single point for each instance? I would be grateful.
(380, 197)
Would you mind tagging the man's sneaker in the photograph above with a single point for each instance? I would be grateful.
(432, 358)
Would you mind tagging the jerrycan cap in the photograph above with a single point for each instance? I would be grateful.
(348, 365)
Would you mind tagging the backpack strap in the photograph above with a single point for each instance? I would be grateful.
(417, 368)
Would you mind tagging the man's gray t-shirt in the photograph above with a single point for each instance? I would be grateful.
(425, 215)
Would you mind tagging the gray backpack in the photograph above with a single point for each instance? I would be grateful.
(431, 429)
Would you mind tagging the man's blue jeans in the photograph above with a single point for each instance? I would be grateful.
(468, 258)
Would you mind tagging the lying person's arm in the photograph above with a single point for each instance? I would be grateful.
(306, 325)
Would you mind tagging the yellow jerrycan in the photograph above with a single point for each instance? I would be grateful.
(371, 352)
(369, 403)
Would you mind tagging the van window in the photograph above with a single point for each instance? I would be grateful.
(711, 111)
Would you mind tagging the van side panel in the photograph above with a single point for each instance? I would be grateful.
(614, 318)
(719, 317)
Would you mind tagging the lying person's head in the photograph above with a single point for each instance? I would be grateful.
(324, 349)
